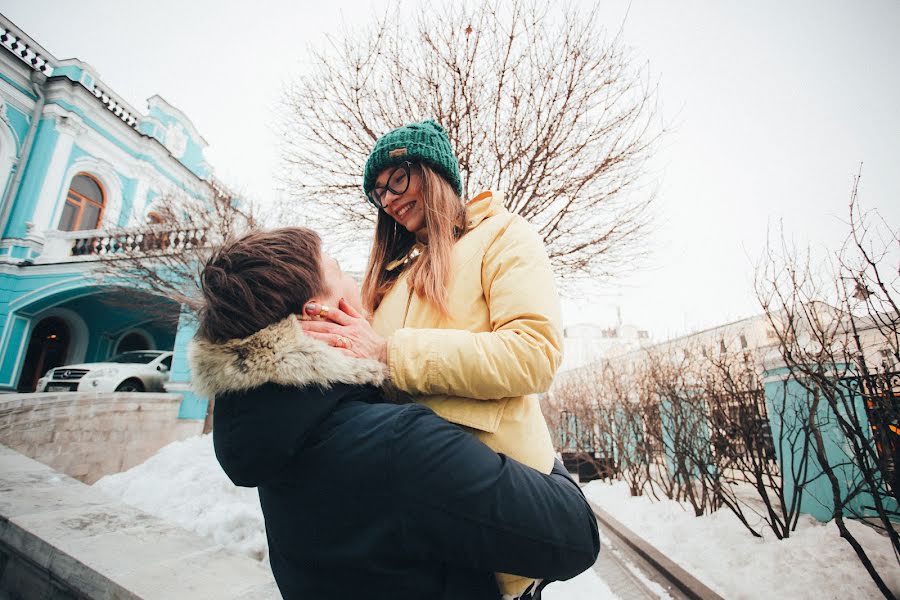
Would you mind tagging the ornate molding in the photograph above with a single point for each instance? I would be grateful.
(3, 116)
(70, 125)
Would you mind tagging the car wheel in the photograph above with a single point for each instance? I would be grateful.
(130, 385)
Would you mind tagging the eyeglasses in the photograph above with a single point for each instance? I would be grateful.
(397, 184)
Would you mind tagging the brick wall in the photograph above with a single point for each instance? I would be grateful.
(89, 435)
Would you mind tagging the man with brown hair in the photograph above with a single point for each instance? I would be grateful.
(361, 498)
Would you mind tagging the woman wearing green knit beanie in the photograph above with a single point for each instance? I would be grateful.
(465, 313)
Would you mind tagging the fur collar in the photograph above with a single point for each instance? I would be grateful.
(280, 353)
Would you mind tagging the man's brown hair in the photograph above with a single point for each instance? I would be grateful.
(257, 280)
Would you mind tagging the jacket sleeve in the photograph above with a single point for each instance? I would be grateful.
(520, 354)
(462, 504)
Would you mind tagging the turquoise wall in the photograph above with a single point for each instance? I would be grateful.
(42, 151)
(76, 74)
(790, 404)
(128, 189)
(23, 299)
(108, 320)
(15, 316)
(193, 155)
(128, 149)
(19, 122)
(24, 296)
(193, 406)
(684, 429)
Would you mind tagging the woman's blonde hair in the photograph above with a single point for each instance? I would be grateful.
(429, 274)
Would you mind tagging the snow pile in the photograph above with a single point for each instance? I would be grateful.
(813, 563)
(183, 484)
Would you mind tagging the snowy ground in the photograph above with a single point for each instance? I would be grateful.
(184, 484)
(814, 563)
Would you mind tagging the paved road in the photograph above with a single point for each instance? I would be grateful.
(628, 582)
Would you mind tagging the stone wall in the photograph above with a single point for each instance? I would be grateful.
(89, 435)
(62, 539)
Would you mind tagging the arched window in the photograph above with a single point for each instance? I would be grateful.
(84, 204)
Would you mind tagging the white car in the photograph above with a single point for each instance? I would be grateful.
(138, 371)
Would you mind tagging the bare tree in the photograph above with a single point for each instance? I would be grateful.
(581, 420)
(837, 331)
(685, 435)
(743, 429)
(537, 100)
(162, 257)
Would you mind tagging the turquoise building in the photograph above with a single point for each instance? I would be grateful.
(77, 164)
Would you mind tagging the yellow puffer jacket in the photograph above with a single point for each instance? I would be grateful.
(502, 341)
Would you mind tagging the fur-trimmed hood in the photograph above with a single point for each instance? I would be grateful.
(281, 354)
(272, 390)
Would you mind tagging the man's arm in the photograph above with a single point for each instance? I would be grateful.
(461, 503)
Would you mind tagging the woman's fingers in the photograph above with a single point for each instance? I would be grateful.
(332, 313)
(345, 306)
(356, 335)
(328, 338)
(336, 341)
(321, 327)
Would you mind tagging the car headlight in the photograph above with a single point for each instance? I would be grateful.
(97, 373)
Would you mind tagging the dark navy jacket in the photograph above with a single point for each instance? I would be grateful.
(371, 500)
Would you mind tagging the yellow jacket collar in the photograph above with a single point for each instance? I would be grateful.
(484, 205)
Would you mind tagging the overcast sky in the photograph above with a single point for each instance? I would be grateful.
(773, 105)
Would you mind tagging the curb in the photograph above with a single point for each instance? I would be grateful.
(686, 584)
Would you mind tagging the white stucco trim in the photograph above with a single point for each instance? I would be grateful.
(77, 280)
(157, 101)
(129, 165)
(69, 128)
(78, 329)
(20, 351)
(112, 189)
(75, 353)
(8, 150)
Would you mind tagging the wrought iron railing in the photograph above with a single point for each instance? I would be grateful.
(740, 424)
(880, 392)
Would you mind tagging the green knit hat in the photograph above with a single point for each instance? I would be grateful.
(424, 142)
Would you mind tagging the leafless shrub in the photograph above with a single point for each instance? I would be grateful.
(837, 330)
(162, 257)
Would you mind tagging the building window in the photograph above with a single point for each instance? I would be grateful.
(84, 204)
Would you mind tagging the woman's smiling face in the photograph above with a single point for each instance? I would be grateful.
(399, 191)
